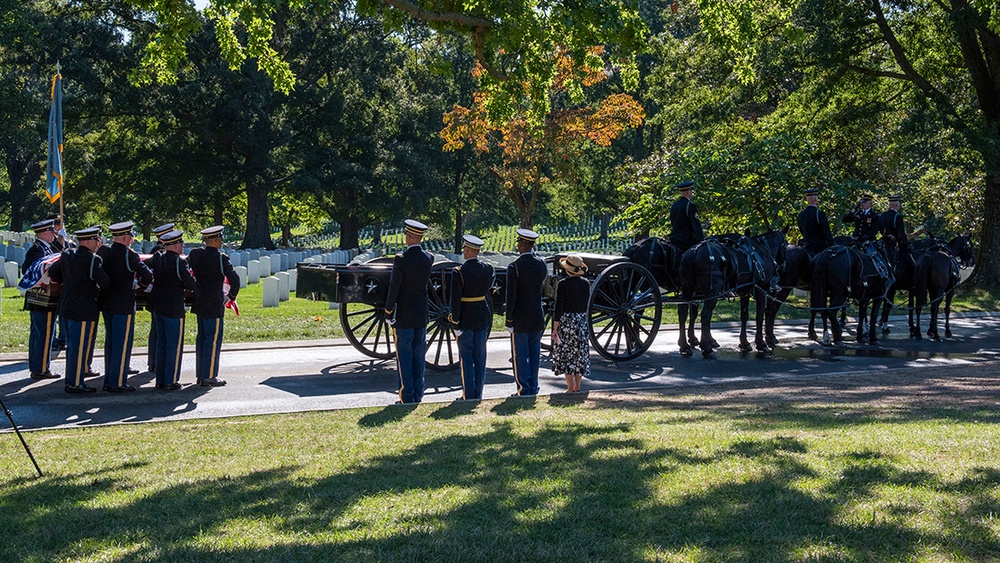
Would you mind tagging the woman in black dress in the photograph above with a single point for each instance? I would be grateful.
(571, 349)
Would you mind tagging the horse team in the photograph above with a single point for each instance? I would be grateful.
(766, 267)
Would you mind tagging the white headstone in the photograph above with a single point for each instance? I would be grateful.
(270, 297)
(241, 271)
(283, 287)
(11, 274)
(293, 278)
(236, 258)
(265, 266)
(253, 271)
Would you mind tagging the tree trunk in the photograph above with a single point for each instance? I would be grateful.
(349, 227)
(987, 273)
(458, 220)
(377, 233)
(286, 234)
(258, 232)
(605, 225)
(217, 210)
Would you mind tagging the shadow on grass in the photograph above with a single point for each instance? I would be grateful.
(565, 491)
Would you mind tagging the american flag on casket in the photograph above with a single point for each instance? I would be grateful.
(230, 304)
(37, 274)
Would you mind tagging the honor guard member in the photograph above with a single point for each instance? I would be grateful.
(171, 277)
(685, 229)
(157, 248)
(406, 306)
(814, 225)
(59, 243)
(525, 318)
(891, 224)
(42, 318)
(210, 268)
(124, 267)
(865, 219)
(472, 315)
(82, 274)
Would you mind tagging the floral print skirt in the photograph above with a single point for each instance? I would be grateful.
(572, 354)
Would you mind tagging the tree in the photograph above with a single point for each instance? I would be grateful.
(533, 156)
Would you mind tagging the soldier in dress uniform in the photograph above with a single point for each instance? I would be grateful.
(157, 248)
(210, 268)
(814, 225)
(42, 318)
(891, 224)
(406, 307)
(123, 266)
(525, 318)
(171, 277)
(472, 315)
(865, 219)
(685, 229)
(82, 274)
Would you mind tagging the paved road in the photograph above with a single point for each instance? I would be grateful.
(323, 375)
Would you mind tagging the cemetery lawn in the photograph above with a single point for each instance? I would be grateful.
(896, 466)
(300, 319)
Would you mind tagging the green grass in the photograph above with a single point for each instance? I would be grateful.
(642, 477)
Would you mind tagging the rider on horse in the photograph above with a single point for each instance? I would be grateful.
(814, 225)
(865, 219)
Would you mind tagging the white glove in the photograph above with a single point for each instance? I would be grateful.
(510, 329)
(457, 333)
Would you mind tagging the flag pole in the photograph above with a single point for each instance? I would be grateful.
(62, 192)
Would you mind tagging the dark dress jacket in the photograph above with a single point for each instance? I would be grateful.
(866, 224)
(82, 276)
(524, 294)
(572, 295)
(815, 228)
(472, 280)
(891, 224)
(210, 268)
(170, 278)
(685, 229)
(407, 298)
(123, 266)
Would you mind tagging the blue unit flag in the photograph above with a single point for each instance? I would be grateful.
(54, 169)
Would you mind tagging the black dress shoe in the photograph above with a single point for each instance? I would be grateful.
(91, 373)
(169, 387)
(77, 389)
(133, 371)
(122, 389)
(58, 346)
(150, 368)
(45, 375)
(213, 382)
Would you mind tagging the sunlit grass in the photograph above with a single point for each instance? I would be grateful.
(645, 479)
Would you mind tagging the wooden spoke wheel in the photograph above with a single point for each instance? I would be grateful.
(368, 330)
(624, 311)
(442, 345)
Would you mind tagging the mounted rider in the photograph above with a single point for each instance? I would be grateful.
(865, 219)
(685, 229)
(814, 225)
(891, 223)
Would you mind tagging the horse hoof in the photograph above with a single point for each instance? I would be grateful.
(935, 338)
(708, 355)
(859, 338)
(947, 333)
(714, 344)
(686, 352)
(694, 342)
(812, 336)
(746, 348)
(772, 341)
(917, 337)
(838, 344)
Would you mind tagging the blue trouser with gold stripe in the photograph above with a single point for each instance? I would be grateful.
(169, 349)
(79, 335)
(118, 333)
(208, 347)
(527, 349)
(40, 340)
(411, 345)
(472, 355)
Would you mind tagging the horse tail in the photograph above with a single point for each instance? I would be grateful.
(921, 275)
(817, 293)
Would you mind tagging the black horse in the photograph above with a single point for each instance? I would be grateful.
(862, 273)
(662, 259)
(936, 273)
(726, 265)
